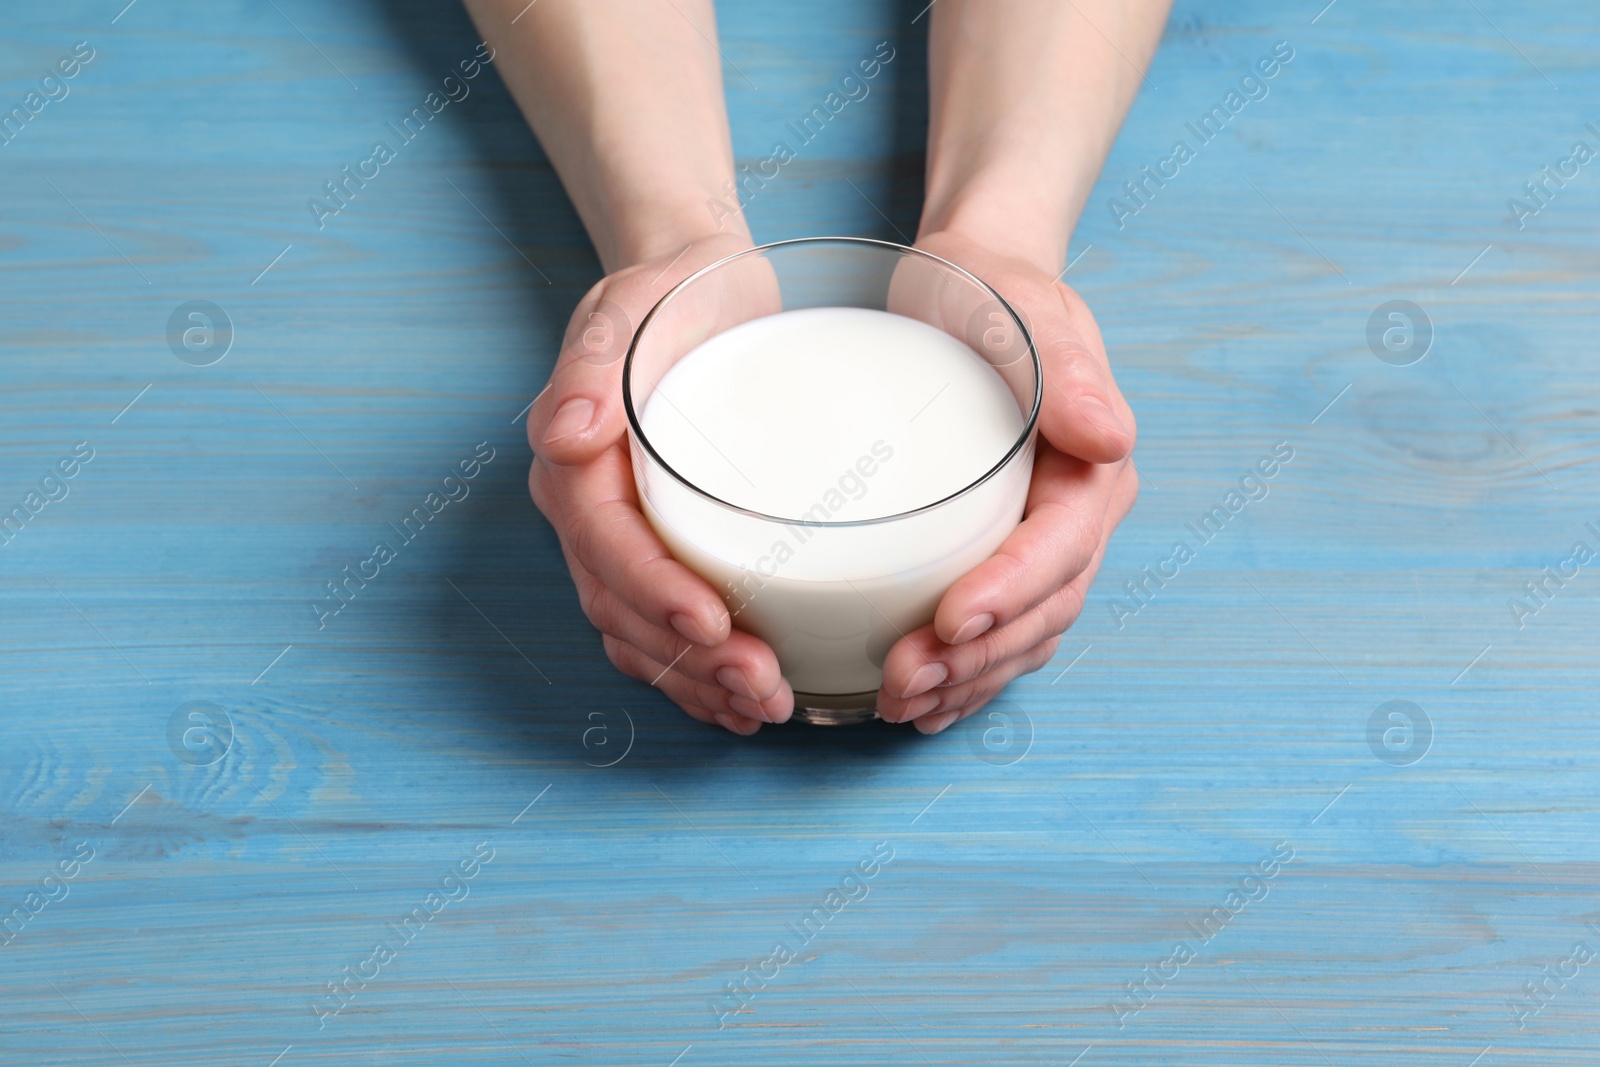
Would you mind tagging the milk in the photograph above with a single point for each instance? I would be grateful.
(832, 415)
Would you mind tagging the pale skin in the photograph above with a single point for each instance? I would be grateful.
(1026, 96)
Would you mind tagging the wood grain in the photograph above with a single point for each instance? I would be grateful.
(1149, 768)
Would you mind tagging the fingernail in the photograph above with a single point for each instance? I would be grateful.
(570, 418)
(978, 624)
(734, 680)
(750, 709)
(1101, 417)
(920, 706)
(690, 627)
(926, 677)
(725, 721)
(934, 723)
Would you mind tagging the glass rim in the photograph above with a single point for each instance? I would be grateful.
(643, 439)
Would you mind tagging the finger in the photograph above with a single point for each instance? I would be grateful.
(908, 676)
(606, 533)
(703, 702)
(1083, 412)
(960, 701)
(581, 412)
(963, 664)
(958, 664)
(744, 664)
(630, 661)
(1061, 529)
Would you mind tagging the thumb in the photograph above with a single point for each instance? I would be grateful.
(1083, 412)
(579, 414)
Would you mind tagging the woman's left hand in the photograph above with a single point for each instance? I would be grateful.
(1006, 616)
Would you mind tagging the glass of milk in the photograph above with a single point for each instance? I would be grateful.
(831, 431)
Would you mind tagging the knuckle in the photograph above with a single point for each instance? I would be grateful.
(695, 712)
(975, 703)
(1071, 606)
(686, 692)
(978, 657)
(955, 696)
(680, 657)
(1062, 607)
(1075, 536)
(539, 487)
(967, 696)
(1075, 351)
(603, 335)
(599, 606)
(622, 656)
(1037, 656)
(583, 537)
(1130, 490)
(1013, 567)
(1011, 571)
(580, 314)
(1071, 356)
(655, 572)
(589, 597)
(1070, 297)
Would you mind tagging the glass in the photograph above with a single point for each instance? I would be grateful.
(843, 591)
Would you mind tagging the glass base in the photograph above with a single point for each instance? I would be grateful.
(835, 709)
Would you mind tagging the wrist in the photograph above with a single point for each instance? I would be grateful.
(662, 222)
(995, 223)
(1013, 207)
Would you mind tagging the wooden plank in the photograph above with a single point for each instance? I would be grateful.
(460, 702)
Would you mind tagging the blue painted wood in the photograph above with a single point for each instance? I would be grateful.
(1028, 884)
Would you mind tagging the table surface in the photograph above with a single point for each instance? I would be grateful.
(628, 866)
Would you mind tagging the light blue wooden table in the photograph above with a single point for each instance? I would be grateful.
(435, 750)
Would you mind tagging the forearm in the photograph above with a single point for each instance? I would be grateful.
(626, 99)
(1026, 98)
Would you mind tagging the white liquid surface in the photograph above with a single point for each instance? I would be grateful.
(828, 415)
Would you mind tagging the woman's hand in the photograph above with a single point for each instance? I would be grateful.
(626, 99)
(661, 622)
(1025, 97)
(1005, 617)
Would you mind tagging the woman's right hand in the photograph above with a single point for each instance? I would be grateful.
(661, 622)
